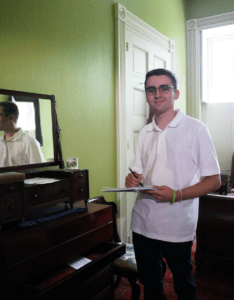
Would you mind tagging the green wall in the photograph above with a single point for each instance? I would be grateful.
(66, 48)
(196, 9)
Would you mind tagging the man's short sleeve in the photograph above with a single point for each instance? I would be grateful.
(35, 153)
(204, 154)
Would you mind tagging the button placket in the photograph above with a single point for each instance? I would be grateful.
(161, 142)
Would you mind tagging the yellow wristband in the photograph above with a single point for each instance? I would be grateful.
(174, 197)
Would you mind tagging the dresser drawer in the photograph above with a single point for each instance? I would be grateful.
(80, 185)
(94, 286)
(10, 202)
(9, 188)
(10, 208)
(60, 190)
(37, 195)
(81, 175)
(82, 191)
(92, 281)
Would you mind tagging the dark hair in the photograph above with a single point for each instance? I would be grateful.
(10, 108)
(159, 72)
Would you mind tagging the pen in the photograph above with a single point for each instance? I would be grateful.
(135, 176)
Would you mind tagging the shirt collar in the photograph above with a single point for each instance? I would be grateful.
(174, 123)
(16, 136)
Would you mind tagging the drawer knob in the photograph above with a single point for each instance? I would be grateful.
(81, 175)
(35, 196)
(11, 189)
(12, 207)
(81, 190)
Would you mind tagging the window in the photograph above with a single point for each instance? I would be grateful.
(209, 45)
(26, 117)
(195, 28)
(29, 116)
(217, 64)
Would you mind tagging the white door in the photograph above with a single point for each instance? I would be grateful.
(142, 56)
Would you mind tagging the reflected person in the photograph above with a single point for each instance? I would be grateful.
(16, 146)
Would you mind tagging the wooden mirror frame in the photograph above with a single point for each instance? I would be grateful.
(58, 160)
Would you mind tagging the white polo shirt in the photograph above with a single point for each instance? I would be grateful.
(20, 149)
(175, 157)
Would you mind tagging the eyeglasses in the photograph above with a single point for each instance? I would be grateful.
(163, 90)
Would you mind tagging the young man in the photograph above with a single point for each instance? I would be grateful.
(16, 146)
(172, 153)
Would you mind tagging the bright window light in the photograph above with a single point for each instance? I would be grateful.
(217, 64)
(26, 116)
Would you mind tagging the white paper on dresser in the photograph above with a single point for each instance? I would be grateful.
(78, 262)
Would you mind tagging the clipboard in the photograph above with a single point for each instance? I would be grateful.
(133, 189)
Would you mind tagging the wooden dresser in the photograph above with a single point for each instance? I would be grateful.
(215, 230)
(19, 199)
(33, 261)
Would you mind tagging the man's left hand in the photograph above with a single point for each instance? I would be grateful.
(163, 194)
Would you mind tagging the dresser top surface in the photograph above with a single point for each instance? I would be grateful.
(93, 209)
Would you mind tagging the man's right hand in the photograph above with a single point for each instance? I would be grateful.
(132, 181)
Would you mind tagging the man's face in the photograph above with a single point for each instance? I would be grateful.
(161, 103)
(3, 119)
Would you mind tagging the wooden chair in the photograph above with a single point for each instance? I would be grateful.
(124, 266)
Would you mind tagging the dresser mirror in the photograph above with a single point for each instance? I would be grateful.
(37, 117)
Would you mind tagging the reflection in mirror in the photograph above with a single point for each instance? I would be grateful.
(33, 142)
(29, 116)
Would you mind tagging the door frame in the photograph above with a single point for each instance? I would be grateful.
(125, 20)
